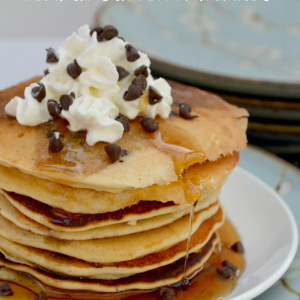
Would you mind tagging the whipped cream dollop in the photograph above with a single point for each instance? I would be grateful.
(98, 94)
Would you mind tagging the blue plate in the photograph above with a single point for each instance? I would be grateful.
(250, 47)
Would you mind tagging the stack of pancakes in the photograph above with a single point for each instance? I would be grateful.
(75, 221)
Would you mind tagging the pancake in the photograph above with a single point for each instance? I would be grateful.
(210, 175)
(145, 165)
(165, 275)
(9, 212)
(70, 266)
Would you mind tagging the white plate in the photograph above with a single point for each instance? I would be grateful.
(267, 228)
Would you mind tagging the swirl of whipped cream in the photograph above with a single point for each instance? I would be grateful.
(98, 91)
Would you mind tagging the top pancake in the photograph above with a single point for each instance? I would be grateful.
(219, 131)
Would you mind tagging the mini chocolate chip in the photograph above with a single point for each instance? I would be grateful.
(141, 70)
(149, 125)
(154, 95)
(238, 247)
(55, 144)
(167, 293)
(54, 108)
(125, 122)
(133, 93)
(227, 264)
(123, 153)
(41, 296)
(50, 133)
(131, 53)
(99, 30)
(109, 32)
(46, 72)
(122, 72)
(72, 94)
(185, 110)
(66, 101)
(74, 69)
(140, 81)
(224, 273)
(39, 92)
(5, 289)
(113, 151)
(51, 56)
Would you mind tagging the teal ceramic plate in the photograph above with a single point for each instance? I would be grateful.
(239, 46)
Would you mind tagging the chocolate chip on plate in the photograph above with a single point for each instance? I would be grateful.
(238, 247)
(122, 72)
(5, 289)
(149, 125)
(66, 101)
(140, 81)
(39, 92)
(227, 264)
(224, 273)
(109, 32)
(114, 152)
(51, 56)
(167, 293)
(154, 95)
(46, 72)
(74, 69)
(54, 108)
(41, 296)
(131, 53)
(55, 143)
(133, 93)
(142, 70)
(185, 111)
(125, 122)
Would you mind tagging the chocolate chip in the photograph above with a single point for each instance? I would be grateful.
(167, 293)
(124, 153)
(113, 151)
(125, 122)
(185, 110)
(141, 70)
(72, 94)
(66, 101)
(5, 289)
(46, 72)
(227, 264)
(39, 92)
(51, 56)
(109, 32)
(41, 296)
(238, 247)
(149, 125)
(224, 273)
(99, 30)
(50, 133)
(74, 69)
(122, 72)
(55, 144)
(133, 93)
(131, 53)
(140, 81)
(121, 38)
(154, 95)
(54, 108)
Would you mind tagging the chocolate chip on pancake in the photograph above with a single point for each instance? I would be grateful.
(99, 30)
(131, 53)
(51, 56)
(39, 92)
(238, 247)
(50, 133)
(66, 101)
(167, 293)
(154, 95)
(5, 289)
(114, 152)
(227, 264)
(54, 108)
(122, 72)
(133, 93)
(41, 296)
(46, 72)
(224, 273)
(140, 81)
(142, 70)
(185, 111)
(55, 143)
(125, 122)
(149, 125)
(74, 69)
(109, 32)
